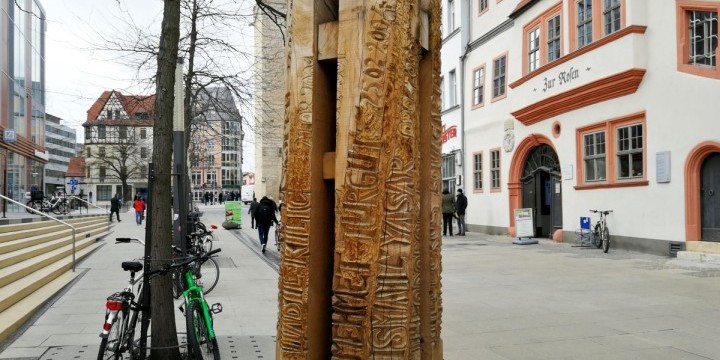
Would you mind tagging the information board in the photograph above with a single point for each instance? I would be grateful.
(524, 225)
(233, 211)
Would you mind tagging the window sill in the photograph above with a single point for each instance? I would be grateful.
(450, 109)
(620, 184)
(495, 190)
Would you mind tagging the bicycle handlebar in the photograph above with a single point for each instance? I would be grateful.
(604, 212)
(167, 268)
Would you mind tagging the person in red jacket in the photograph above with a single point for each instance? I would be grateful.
(139, 206)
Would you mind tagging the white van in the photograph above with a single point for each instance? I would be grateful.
(248, 192)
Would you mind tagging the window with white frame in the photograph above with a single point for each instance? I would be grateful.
(499, 76)
(611, 15)
(495, 169)
(196, 178)
(534, 49)
(703, 34)
(584, 22)
(442, 93)
(451, 16)
(477, 172)
(448, 173)
(101, 152)
(452, 100)
(143, 152)
(478, 86)
(553, 38)
(594, 156)
(104, 192)
(630, 151)
(482, 5)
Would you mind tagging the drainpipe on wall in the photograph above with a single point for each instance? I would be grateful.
(465, 32)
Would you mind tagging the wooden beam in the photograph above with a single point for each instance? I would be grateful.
(327, 41)
(329, 165)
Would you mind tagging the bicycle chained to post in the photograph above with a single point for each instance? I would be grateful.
(124, 308)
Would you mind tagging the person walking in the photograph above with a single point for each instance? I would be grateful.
(461, 205)
(253, 205)
(115, 207)
(139, 206)
(220, 198)
(448, 208)
(264, 218)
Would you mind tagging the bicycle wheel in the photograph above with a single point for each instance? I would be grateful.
(36, 205)
(112, 346)
(596, 236)
(199, 341)
(59, 209)
(177, 284)
(209, 275)
(606, 240)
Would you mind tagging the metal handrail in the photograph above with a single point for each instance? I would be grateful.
(93, 205)
(32, 211)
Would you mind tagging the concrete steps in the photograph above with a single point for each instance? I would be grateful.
(701, 251)
(36, 262)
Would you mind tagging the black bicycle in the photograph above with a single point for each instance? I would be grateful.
(601, 232)
(120, 338)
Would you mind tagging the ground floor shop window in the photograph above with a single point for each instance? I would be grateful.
(104, 192)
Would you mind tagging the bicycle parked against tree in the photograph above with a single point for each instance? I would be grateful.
(124, 309)
(601, 230)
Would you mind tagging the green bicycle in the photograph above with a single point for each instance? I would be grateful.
(202, 342)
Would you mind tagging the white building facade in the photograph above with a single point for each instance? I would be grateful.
(118, 143)
(592, 104)
(60, 142)
(454, 35)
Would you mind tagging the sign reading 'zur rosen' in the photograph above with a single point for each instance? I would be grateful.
(564, 77)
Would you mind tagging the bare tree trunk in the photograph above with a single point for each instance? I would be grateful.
(164, 333)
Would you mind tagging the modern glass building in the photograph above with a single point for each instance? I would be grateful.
(22, 96)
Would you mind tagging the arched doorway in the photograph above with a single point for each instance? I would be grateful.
(541, 189)
(701, 192)
(710, 198)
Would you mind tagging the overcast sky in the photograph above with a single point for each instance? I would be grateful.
(78, 71)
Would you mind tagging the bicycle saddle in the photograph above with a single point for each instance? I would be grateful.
(133, 266)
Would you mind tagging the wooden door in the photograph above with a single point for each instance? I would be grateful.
(710, 198)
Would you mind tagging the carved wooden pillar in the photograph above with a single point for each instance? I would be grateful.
(360, 272)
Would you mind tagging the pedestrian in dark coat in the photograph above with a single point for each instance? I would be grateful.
(448, 209)
(253, 205)
(461, 205)
(115, 207)
(264, 218)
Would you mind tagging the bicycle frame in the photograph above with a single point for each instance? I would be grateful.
(194, 294)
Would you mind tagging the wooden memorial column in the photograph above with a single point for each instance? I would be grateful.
(360, 271)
